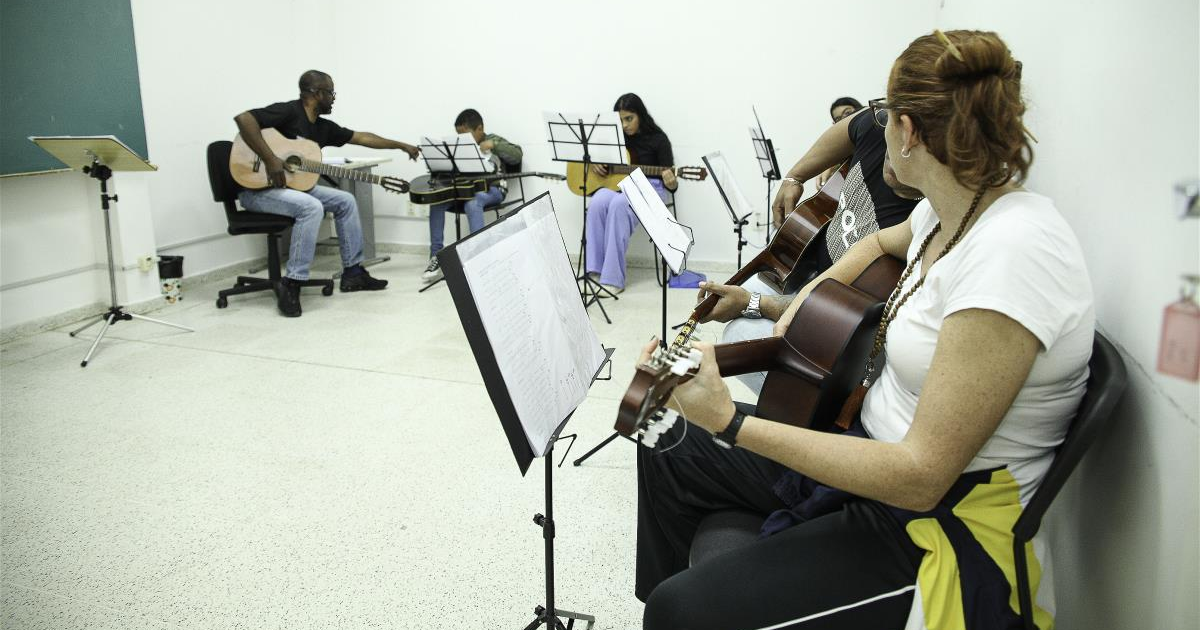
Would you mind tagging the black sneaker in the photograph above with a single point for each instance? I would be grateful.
(433, 272)
(288, 294)
(362, 282)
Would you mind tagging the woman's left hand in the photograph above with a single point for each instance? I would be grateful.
(704, 400)
(669, 179)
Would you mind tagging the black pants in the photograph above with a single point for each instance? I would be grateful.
(854, 568)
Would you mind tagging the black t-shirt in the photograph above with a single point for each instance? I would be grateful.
(650, 149)
(290, 119)
(867, 204)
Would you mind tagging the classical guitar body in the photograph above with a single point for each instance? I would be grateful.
(248, 171)
(302, 165)
(788, 262)
(427, 190)
(618, 173)
(821, 356)
(810, 370)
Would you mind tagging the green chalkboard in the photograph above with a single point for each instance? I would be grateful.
(67, 68)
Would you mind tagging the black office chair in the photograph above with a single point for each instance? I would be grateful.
(225, 192)
(722, 532)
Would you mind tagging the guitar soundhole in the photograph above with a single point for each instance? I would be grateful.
(292, 163)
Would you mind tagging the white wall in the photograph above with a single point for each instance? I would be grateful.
(1113, 89)
(1113, 99)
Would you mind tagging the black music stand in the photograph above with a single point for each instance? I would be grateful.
(470, 273)
(99, 156)
(442, 158)
(764, 151)
(572, 138)
(723, 178)
(658, 222)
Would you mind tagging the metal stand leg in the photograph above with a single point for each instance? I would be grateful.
(159, 321)
(108, 321)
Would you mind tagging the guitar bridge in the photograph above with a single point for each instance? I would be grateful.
(256, 165)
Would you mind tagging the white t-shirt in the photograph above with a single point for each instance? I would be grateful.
(1020, 259)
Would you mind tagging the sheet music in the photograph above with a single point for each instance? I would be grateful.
(672, 239)
(443, 155)
(723, 178)
(606, 141)
(525, 292)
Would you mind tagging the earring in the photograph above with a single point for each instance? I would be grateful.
(905, 152)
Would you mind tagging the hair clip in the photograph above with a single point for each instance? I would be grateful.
(949, 44)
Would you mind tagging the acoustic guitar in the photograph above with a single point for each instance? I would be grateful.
(301, 162)
(429, 189)
(618, 172)
(810, 370)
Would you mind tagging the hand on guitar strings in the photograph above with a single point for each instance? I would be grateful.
(705, 396)
(276, 173)
(600, 169)
(732, 300)
(669, 179)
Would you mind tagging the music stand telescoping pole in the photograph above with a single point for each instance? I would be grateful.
(672, 239)
(764, 151)
(536, 375)
(716, 164)
(572, 140)
(443, 158)
(98, 156)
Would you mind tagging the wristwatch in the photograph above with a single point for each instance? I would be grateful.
(727, 438)
(752, 310)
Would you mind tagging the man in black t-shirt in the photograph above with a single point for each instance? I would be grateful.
(871, 199)
(301, 118)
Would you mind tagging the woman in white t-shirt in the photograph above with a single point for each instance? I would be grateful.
(908, 516)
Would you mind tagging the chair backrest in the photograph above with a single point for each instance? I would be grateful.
(1105, 385)
(224, 189)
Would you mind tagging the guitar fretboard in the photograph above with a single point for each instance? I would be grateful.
(338, 171)
(649, 171)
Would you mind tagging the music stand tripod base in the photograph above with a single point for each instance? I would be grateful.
(98, 156)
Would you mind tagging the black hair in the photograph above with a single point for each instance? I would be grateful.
(846, 100)
(308, 80)
(468, 118)
(633, 103)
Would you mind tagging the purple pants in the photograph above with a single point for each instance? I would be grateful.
(610, 223)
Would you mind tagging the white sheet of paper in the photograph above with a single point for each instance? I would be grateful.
(670, 238)
(525, 292)
(724, 179)
(466, 154)
(606, 141)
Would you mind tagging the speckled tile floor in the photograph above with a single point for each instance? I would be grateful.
(341, 470)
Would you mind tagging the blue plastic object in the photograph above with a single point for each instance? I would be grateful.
(686, 280)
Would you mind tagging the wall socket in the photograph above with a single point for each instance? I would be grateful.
(146, 263)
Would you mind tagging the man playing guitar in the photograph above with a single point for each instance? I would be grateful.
(302, 118)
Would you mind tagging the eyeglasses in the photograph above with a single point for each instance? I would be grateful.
(879, 109)
(319, 90)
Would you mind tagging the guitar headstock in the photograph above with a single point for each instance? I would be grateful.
(694, 173)
(642, 411)
(394, 184)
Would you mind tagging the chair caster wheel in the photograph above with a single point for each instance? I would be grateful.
(222, 302)
(327, 290)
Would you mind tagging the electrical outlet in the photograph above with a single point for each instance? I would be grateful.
(146, 263)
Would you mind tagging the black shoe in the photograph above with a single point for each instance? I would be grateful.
(362, 281)
(288, 294)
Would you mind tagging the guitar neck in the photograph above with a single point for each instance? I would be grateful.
(649, 171)
(322, 168)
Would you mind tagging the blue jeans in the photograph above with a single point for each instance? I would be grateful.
(474, 209)
(308, 209)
